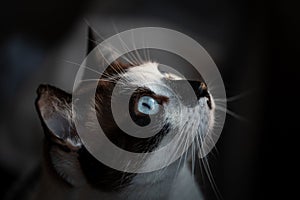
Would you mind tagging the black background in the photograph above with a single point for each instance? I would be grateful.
(259, 41)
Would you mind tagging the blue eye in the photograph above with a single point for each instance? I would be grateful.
(148, 105)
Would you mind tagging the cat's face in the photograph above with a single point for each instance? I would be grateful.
(152, 100)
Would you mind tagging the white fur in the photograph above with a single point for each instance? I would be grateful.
(200, 120)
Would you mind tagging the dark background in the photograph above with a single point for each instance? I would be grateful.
(254, 44)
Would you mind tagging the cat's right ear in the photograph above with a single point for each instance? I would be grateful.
(55, 111)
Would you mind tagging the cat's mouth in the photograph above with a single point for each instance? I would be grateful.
(209, 101)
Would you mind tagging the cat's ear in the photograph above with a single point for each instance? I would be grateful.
(55, 111)
(101, 56)
(93, 40)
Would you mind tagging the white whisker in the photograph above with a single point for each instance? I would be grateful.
(86, 67)
(235, 97)
(125, 47)
(231, 113)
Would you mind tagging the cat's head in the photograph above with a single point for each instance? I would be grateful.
(150, 100)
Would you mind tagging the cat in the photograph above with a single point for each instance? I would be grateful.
(70, 171)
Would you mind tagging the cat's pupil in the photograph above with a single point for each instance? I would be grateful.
(148, 105)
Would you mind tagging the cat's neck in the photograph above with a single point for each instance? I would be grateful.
(154, 185)
(51, 186)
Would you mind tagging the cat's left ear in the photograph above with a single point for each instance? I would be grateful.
(93, 40)
(55, 111)
(101, 56)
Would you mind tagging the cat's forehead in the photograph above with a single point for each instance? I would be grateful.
(149, 72)
(150, 76)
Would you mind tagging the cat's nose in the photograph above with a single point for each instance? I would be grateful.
(199, 88)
